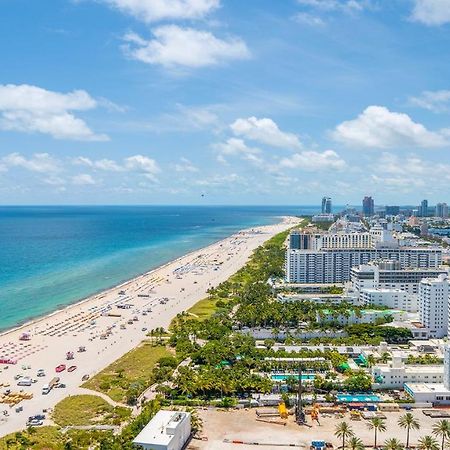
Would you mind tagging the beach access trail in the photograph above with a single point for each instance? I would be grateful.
(111, 323)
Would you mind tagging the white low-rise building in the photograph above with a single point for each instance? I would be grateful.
(397, 373)
(168, 430)
(357, 317)
(437, 394)
(391, 298)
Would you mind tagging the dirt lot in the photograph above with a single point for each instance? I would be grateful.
(241, 425)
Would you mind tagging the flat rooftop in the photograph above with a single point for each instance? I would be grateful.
(159, 431)
(427, 388)
(412, 369)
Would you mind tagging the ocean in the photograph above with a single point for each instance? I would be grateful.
(52, 256)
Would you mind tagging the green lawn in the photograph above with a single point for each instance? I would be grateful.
(132, 372)
(88, 410)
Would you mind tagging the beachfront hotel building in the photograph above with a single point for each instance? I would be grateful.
(357, 317)
(334, 265)
(437, 394)
(390, 275)
(390, 298)
(396, 374)
(433, 305)
(314, 257)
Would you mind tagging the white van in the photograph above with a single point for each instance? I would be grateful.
(45, 389)
(25, 381)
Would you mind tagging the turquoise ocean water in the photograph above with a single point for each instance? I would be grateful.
(51, 256)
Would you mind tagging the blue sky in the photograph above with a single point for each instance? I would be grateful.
(224, 101)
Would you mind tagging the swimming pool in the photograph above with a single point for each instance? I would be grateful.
(357, 398)
(283, 377)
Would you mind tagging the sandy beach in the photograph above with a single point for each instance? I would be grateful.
(111, 323)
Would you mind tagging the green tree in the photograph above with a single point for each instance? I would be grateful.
(408, 422)
(442, 429)
(355, 443)
(428, 443)
(392, 444)
(378, 425)
(344, 431)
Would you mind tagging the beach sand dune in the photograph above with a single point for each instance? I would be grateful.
(113, 322)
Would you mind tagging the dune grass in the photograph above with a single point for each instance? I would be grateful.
(203, 308)
(129, 375)
(42, 438)
(80, 410)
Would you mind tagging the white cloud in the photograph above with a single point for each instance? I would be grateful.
(336, 5)
(378, 127)
(265, 131)
(107, 165)
(230, 180)
(235, 146)
(410, 173)
(32, 109)
(39, 162)
(436, 101)
(135, 163)
(431, 12)
(53, 180)
(309, 19)
(156, 10)
(174, 46)
(144, 165)
(185, 166)
(83, 179)
(314, 161)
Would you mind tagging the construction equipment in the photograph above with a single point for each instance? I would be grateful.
(300, 417)
(315, 413)
(283, 410)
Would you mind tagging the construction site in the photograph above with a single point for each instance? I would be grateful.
(244, 429)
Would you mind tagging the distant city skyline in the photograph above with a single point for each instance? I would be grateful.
(187, 102)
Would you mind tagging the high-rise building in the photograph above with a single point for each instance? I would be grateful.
(333, 265)
(326, 205)
(442, 210)
(423, 208)
(368, 206)
(433, 305)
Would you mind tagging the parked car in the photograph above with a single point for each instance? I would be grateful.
(36, 417)
(25, 381)
(85, 377)
(35, 423)
(60, 368)
(71, 368)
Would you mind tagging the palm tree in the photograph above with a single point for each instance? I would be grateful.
(344, 431)
(385, 357)
(393, 444)
(428, 443)
(355, 443)
(378, 425)
(371, 361)
(442, 429)
(408, 422)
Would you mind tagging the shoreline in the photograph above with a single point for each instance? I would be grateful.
(114, 321)
(31, 320)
